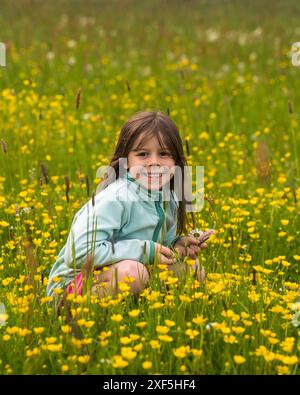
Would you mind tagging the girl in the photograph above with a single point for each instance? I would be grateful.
(129, 225)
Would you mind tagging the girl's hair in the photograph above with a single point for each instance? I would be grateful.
(158, 124)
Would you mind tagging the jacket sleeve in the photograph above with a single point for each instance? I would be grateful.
(92, 233)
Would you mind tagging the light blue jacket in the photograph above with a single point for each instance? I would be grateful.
(123, 223)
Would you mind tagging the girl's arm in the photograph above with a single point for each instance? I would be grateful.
(92, 233)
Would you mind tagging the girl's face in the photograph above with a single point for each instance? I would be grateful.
(151, 165)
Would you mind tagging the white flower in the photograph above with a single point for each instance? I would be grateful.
(210, 325)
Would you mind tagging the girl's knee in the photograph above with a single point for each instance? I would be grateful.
(132, 272)
(135, 270)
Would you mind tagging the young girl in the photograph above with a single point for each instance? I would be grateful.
(129, 224)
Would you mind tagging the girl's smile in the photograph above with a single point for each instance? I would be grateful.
(151, 164)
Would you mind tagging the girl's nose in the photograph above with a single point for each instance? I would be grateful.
(154, 160)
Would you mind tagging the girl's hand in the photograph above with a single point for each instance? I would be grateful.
(164, 254)
(189, 246)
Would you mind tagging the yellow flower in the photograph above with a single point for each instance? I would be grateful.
(238, 329)
(65, 368)
(125, 340)
(290, 360)
(128, 353)
(116, 317)
(134, 313)
(38, 330)
(284, 222)
(119, 362)
(138, 347)
(162, 329)
(192, 333)
(199, 320)
(165, 338)
(141, 324)
(156, 305)
(83, 359)
(54, 347)
(154, 344)
(282, 370)
(230, 339)
(196, 353)
(147, 365)
(169, 323)
(181, 352)
(50, 340)
(66, 329)
(288, 344)
(238, 359)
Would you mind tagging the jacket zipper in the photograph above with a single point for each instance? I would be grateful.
(161, 215)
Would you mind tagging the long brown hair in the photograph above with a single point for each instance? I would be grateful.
(152, 123)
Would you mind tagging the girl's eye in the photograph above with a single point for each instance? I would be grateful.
(164, 153)
(142, 154)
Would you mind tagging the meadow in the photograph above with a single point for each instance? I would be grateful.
(75, 71)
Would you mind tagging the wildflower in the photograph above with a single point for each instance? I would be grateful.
(134, 313)
(169, 323)
(238, 359)
(199, 320)
(38, 330)
(230, 339)
(128, 353)
(138, 347)
(83, 359)
(196, 353)
(66, 329)
(154, 344)
(162, 329)
(65, 368)
(125, 340)
(181, 352)
(192, 333)
(147, 365)
(54, 347)
(119, 362)
(290, 360)
(282, 370)
(165, 338)
(141, 324)
(116, 317)
(288, 344)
